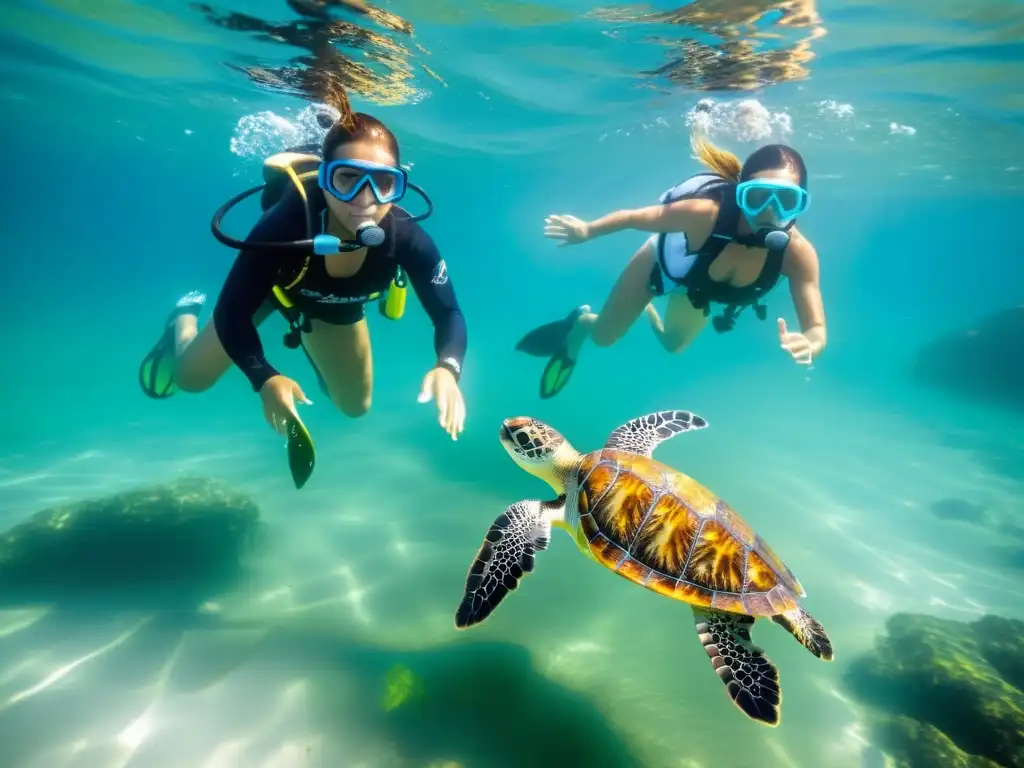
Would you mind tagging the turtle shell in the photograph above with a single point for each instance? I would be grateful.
(665, 531)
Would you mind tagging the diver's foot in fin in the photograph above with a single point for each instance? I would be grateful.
(564, 344)
(550, 339)
(156, 373)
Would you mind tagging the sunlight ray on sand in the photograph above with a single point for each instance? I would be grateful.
(136, 732)
(283, 718)
(64, 670)
(14, 621)
(28, 665)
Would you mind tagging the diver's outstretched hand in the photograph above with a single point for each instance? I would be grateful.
(796, 344)
(440, 386)
(279, 394)
(568, 229)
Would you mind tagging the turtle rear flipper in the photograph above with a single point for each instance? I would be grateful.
(807, 631)
(506, 555)
(751, 679)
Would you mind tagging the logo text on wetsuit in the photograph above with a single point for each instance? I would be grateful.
(330, 298)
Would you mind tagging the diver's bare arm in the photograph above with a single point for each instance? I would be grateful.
(804, 286)
(680, 216)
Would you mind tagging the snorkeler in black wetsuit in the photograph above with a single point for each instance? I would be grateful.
(248, 290)
(328, 244)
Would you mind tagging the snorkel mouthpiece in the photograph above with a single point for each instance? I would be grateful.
(369, 235)
(776, 240)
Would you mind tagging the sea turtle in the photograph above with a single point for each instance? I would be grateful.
(658, 528)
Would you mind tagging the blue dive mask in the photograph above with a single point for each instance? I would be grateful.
(787, 200)
(345, 179)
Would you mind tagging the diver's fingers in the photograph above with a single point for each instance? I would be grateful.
(460, 419)
(427, 392)
(562, 219)
(279, 425)
(298, 393)
(454, 414)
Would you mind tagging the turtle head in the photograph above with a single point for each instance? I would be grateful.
(539, 449)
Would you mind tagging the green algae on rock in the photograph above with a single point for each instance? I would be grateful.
(946, 692)
(186, 535)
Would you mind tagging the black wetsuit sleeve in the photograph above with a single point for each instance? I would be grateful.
(429, 276)
(248, 285)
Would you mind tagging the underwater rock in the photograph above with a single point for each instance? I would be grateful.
(463, 704)
(179, 538)
(1012, 530)
(945, 692)
(1013, 558)
(985, 362)
(921, 745)
(959, 509)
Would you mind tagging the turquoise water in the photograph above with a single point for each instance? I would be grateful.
(128, 123)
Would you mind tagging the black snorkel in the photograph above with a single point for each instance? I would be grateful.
(368, 235)
(772, 238)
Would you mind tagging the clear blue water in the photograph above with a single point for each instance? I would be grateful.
(124, 130)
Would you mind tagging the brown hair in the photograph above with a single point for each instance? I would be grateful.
(357, 126)
(774, 156)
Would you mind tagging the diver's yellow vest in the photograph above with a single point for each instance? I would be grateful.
(285, 167)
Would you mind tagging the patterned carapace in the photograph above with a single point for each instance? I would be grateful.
(665, 531)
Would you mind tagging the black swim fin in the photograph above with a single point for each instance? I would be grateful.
(552, 341)
(556, 375)
(548, 339)
(301, 455)
(156, 372)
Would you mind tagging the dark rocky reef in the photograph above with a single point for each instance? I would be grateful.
(467, 704)
(177, 540)
(945, 693)
(960, 510)
(984, 363)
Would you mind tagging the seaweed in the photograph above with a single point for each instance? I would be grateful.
(945, 692)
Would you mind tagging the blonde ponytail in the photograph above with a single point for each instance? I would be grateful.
(719, 161)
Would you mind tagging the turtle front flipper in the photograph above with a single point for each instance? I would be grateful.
(807, 631)
(516, 535)
(751, 679)
(645, 433)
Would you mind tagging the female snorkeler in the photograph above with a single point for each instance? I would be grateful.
(330, 240)
(723, 237)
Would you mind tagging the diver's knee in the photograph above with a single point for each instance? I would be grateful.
(674, 346)
(603, 338)
(192, 381)
(353, 407)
